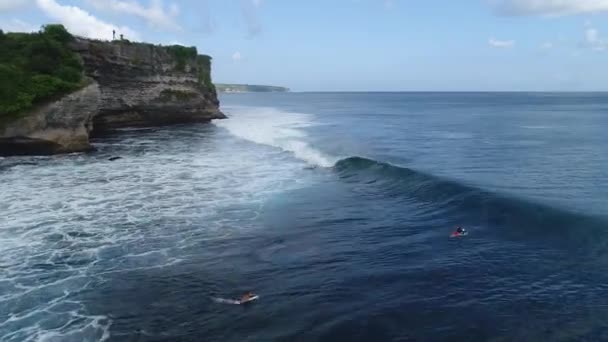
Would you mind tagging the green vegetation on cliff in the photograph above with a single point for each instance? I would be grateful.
(44, 66)
(204, 71)
(244, 88)
(172, 94)
(35, 67)
(183, 54)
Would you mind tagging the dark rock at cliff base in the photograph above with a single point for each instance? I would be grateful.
(129, 85)
(20, 146)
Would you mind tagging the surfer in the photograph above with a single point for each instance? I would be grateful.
(459, 232)
(247, 297)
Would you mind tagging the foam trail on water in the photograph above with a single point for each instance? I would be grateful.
(226, 301)
(272, 127)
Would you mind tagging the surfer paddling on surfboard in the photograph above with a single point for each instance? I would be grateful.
(248, 297)
(459, 232)
(244, 299)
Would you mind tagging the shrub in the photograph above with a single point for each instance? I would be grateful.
(57, 32)
(35, 67)
(69, 74)
(182, 54)
(204, 72)
(45, 86)
(11, 96)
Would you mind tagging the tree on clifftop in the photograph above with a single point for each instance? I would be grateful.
(35, 67)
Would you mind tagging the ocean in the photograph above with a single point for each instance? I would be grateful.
(335, 208)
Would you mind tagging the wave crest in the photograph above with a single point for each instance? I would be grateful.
(272, 127)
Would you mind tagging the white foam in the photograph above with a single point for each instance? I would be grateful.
(272, 127)
(538, 127)
(450, 135)
(96, 328)
(71, 219)
(226, 301)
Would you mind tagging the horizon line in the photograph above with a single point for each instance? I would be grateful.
(442, 91)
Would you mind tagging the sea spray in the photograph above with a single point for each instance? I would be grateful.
(273, 127)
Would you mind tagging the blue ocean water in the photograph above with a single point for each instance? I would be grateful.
(336, 208)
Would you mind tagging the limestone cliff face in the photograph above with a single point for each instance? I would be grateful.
(143, 84)
(131, 84)
(57, 127)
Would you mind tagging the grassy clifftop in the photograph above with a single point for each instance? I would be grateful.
(35, 67)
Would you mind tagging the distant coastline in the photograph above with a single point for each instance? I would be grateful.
(248, 88)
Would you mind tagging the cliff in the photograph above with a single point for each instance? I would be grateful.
(124, 84)
(56, 127)
(144, 84)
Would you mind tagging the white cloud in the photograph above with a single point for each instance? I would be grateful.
(546, 45)
(593, 40)
(236, 57)
(501, 43)
(6, 5)
(550, 7)
(155, 14)
(16, 25)
(81, 22)
(591, 35)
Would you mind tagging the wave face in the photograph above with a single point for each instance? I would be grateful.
(479, 206)
(522, 217)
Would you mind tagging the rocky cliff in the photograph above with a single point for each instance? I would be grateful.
(128, 84)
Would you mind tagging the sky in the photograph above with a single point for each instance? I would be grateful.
(359, 45)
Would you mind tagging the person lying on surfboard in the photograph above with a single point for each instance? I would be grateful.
(459, 232)
(247, 297)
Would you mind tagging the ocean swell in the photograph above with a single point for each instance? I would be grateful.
(521, 217)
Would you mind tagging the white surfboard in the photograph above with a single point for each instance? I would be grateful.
(234, 301)
(251, 299)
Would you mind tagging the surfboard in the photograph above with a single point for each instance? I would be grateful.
(235, 301)
(455, 235)
(249, 300)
